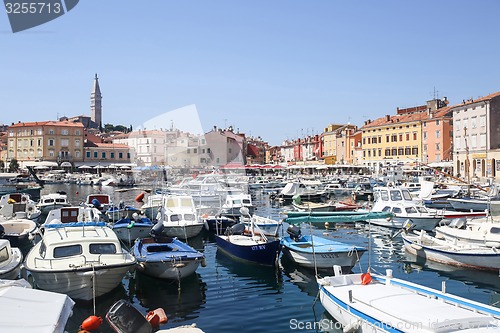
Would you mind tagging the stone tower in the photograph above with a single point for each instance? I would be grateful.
(95, 103)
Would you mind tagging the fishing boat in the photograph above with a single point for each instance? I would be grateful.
(10, 260)
(52, 201)
(115, 213)
(451, 253)
(234, 202)
(100, 201)
(266, 225)
(166, 257)
(253, 247)
(399, 202)
(330, 206)
(315, 251)
(18, 205)
(365, 302)
(85, 258)
(129, 229)
(179, 216)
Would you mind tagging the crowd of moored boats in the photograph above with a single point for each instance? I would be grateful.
(88, 248)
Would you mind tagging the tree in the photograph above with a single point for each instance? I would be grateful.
(13, 165)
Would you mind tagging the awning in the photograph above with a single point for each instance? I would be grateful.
(66, 164)
(84, 167)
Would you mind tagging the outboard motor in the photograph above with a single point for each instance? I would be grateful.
(157, 229)
(294, 232)
(237, 229)
(96, 203)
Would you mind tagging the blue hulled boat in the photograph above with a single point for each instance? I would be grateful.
(252, 246)
(307, 250)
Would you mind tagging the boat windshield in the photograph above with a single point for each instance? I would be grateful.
(4, 254)
(396, 195)
(422, 209)
(67, 251)
(102, 248)
(411, 210)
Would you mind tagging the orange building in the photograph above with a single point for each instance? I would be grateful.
(56, 141)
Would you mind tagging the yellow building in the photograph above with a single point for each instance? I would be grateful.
(392, 140)
(329, 138)
(57, 141)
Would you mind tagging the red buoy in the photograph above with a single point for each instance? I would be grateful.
(139, 197)
(366, 278)
(91, 323)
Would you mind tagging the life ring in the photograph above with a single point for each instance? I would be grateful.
(23, 199)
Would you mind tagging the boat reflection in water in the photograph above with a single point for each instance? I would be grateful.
(250, 275)
(180, 301)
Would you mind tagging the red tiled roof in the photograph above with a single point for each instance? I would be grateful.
(63, 123)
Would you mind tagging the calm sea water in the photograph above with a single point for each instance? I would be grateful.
(232, 296)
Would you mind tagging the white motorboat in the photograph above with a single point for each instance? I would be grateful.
(52, 201)
(399, 202)
(86, 259)
(10, 260)
(179, 216)
(233, 204)
(19, 206)
(453, 253)
(376, 303)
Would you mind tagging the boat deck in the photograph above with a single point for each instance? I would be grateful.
(411, 310)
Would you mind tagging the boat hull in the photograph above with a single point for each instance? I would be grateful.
(10, 270)
(386, 304)
(259, 253)
(324, 254)
(182, 231)
(418, 222)
(488, 259)
(78, 284)
(171, 270)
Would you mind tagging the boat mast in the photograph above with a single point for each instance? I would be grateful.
(467, 164)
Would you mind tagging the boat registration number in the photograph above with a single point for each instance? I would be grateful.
(329, 255)
(258, 247)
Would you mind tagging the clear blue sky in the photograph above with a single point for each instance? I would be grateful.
(276, 69)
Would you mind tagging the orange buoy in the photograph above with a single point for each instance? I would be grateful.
(91, 323)
(139, 197)
(366, 278)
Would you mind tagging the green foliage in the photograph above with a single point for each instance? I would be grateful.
(13, 165)
(110, 128)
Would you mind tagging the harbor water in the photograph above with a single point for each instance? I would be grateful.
(233, 296)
